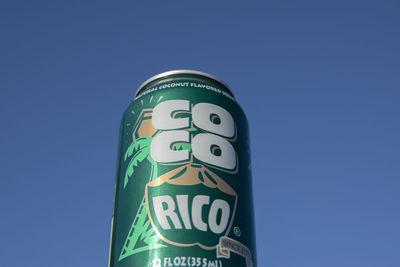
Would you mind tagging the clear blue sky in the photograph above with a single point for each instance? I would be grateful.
(319, 81)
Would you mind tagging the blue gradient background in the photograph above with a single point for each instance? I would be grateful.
(319, 81)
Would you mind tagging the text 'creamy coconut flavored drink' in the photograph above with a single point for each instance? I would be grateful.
(183, 191)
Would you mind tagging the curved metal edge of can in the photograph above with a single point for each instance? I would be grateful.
(175, 72)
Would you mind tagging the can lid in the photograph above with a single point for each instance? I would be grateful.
(174, 72)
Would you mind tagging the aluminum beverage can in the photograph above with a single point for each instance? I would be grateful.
(183, 190)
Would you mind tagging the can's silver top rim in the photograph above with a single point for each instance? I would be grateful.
(172, 72)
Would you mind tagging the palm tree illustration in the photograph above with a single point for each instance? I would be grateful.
(141, 229)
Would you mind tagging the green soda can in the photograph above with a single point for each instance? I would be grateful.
(183, 191)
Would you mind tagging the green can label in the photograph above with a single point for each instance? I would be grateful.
(183, 195)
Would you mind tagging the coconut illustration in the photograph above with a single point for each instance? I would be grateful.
(191, 205)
